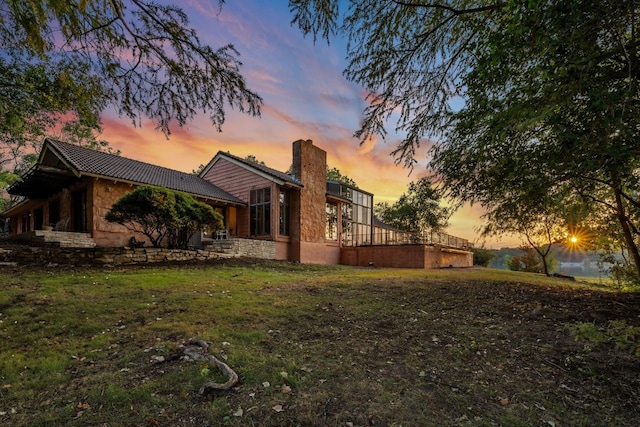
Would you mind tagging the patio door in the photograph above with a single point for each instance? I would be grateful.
(79, 213)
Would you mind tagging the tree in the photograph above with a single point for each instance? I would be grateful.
(514, 92)
(334, 174)
(541, 228)
(418, 209)
(6, 179)
(70, 60)
(530, 261)
(482, 256)
(192, 216)
(253, 159)
(161, 214)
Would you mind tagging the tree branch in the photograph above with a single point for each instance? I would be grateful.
(451, 9)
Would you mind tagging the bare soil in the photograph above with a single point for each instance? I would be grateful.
(449, 353)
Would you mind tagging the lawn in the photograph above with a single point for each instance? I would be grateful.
(314, 346)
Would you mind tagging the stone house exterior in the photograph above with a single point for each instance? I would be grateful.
(76, 186)
(297, 216)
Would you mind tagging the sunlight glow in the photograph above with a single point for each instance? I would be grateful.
(579, 239)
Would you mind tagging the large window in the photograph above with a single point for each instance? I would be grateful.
(331, 231)
(362, 204)
(357, 216)
(347, 224)
(284, 212)
(260, 205)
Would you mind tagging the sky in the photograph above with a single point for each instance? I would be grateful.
(305, 96)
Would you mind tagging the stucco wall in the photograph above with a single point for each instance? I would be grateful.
(107, 234)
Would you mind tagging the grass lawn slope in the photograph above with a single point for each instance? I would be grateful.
(315, 346)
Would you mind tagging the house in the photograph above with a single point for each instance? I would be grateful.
(76, 186)
(297, 216)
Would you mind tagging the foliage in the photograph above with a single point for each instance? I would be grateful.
(334, 174)
(192, 216)
(71, 60)
(521, 96)
(35, 98)
(161, 214)
(6, 179)
(482, 257)
(617, 332)
(419, 209)
(621, 272)
(530, 261)
(253, 159)
(64, 63)
(542, 224)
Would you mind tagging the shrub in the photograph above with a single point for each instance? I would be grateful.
(482, 257)
(161, 214)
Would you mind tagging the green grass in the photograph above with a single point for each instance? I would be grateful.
(328, 345)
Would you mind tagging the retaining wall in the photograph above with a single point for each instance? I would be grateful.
(51, 256)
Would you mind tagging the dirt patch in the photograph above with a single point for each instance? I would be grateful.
(454, 354)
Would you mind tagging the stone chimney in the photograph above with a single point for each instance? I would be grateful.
(309, 211)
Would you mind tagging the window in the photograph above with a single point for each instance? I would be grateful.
(361, 216)
(260, 206)
(284, 212)
(331, 231)
(347, 224)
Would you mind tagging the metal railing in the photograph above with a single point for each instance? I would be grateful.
(383, 236)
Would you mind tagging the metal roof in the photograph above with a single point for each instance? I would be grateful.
(80, 161)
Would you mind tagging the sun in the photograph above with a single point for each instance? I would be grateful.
(579, 239)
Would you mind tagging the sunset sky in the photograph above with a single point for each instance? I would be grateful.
(305, 97)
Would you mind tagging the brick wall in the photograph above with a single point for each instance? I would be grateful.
(406, 256)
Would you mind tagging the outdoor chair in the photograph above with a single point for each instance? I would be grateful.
(61, 225)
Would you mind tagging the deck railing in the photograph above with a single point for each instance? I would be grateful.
(383, 236)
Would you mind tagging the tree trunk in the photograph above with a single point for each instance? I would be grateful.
(626, 230)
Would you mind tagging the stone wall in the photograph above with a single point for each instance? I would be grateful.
(264, 249)
(53, 256)
(308, 235)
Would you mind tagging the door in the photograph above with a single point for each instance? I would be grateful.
(79, 210)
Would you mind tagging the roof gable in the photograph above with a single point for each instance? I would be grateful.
(86, 162)
(271, 174)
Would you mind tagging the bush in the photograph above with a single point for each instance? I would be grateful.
(528, 260)
(162, 214)
(617, 332)
(482, 257)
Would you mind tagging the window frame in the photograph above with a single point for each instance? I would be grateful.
(260, 212)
